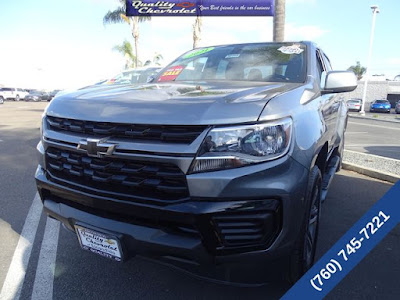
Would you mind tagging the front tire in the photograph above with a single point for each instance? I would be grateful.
(17, 98)
(303, 254)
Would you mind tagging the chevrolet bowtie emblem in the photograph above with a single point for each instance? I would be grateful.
(96, 147)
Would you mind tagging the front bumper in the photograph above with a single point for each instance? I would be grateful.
(192, 235)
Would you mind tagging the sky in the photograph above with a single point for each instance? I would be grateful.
(50, 44)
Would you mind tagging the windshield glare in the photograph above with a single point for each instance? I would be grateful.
(256, 62)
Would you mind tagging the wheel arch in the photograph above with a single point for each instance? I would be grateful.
(320, 158)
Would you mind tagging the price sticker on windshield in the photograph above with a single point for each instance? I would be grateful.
(171, 74)
(293, 49)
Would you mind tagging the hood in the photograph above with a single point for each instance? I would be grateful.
(200, 103)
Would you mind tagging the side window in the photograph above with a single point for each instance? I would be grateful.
(327, 62)
(320, 65)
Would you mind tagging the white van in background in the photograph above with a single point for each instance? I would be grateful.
(13, 93)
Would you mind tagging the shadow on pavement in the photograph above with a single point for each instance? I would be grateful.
(80, 275)
(376, 277)
(18, 162)
(17, 188)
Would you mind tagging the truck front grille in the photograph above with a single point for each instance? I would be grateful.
(141, 181)
(162, 133)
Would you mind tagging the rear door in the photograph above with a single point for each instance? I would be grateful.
(329, 104)
(339, 108)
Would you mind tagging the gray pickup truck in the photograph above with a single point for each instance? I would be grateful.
(218, 166)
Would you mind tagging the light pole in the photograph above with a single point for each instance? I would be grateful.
(375, 10)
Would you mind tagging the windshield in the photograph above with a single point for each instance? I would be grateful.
(254, 62)
(381, 101)
(354, 101)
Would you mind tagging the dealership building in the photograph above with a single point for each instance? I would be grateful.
(389, 90)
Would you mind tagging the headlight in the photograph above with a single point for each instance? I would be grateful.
(231, 147)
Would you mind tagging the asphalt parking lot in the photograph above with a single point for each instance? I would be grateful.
(57, 268)
(373, 137)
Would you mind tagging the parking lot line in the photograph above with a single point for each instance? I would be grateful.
(356, 132)
(373, 125)
(43, 285)
(16, 273)
(371, 145)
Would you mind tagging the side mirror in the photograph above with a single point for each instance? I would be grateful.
(339, 82)
(150, 78)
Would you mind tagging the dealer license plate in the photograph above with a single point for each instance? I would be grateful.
(99, 243)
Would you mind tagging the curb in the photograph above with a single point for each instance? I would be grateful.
(374, 119)
(371, 172)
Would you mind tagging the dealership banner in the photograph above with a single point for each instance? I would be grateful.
(200, 8)
(350, 249)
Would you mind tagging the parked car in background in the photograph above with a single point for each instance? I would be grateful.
(382, 105)
(15, 94)
(35, 96)
(52, 94)
(354, 104)
(397, 107)
(219, 166)
(138, 75)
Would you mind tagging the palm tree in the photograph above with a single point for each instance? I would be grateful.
(118, 16)
(126, 50)
(358, 70)
(197, 31)
(279, 21)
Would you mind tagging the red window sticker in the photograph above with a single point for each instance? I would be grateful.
(171, 74)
